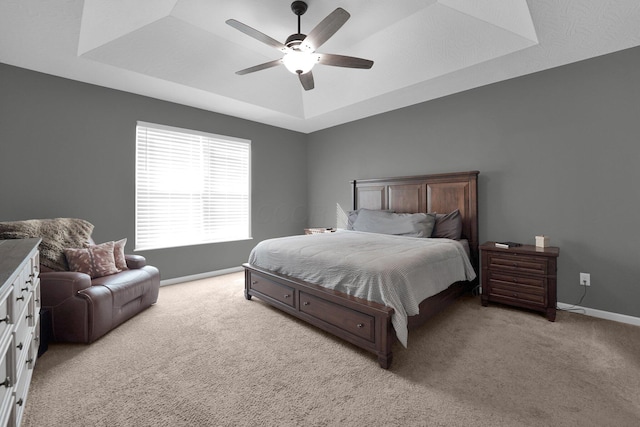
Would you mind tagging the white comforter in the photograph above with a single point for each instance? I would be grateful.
(396, 271)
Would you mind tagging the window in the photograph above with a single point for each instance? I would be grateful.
(191, 187)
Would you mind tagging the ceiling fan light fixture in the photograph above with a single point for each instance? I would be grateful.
(300, 62)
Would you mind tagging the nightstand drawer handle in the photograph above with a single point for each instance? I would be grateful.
(6, 319)
(20, 298)
(360, 325)
(19, 346)
(306, 303)
(20, 402)
(6, 382)
(287, 295)
(253, 282)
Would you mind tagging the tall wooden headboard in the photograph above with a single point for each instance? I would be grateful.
(439, 193)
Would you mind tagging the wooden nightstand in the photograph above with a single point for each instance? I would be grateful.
(522, 276)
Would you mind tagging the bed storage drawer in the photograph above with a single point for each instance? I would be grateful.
(271, 289)
(354, 322)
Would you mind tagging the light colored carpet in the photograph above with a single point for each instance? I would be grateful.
(205, 356)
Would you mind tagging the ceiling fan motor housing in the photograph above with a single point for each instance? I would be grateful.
(294, 40)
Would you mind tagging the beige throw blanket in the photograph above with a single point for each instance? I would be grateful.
(56, 234)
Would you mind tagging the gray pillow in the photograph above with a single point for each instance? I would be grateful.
(353, 215)
(448, 226)
(405, 224)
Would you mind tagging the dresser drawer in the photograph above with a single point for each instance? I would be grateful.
(354, 322)
(521, 263)
(6, 322)
(6, 373)
(277, 291)
(22, 340)
(21, 390)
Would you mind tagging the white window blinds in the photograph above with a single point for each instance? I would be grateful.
(191, 187)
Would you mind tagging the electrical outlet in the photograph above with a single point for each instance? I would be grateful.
(585, 279)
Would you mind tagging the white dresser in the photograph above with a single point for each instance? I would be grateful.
(19, 324)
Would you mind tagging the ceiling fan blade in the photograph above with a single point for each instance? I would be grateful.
(264, 66)
(344, 61)
(251, 32)
(325, 29)
(307, 80)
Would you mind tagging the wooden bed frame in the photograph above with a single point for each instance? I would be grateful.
(364, 323)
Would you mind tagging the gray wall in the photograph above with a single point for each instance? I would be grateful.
(558, 154)
(67, 149)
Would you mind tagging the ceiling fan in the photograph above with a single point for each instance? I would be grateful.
(300, 49)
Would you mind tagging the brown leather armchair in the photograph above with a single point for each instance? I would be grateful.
(82, 309)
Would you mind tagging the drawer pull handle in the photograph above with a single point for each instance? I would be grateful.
(24, 289)
(287, 295)
(6, 382)
(20, 298)
(253, 282)
(19, 346)
(28, 361)
(32, 275)
(29, 316)
(360, 325)
(6, 319)
(29, 281)
(20, 402)
(306, 303)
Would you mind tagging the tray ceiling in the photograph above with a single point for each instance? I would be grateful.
(182, 50)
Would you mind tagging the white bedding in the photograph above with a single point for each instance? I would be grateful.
(396, 271)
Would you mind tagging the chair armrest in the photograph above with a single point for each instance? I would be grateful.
(135, 262)
(57, 286)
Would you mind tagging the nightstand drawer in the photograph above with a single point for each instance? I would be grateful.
(520, 292)
(499, 278)
(520, 263)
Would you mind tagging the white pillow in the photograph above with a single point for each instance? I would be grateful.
(405, 224)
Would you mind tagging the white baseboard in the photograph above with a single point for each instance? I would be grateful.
(601, 314)
(199, 276)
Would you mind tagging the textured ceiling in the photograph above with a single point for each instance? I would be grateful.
(182, 50)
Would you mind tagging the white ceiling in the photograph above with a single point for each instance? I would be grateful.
(182, 50)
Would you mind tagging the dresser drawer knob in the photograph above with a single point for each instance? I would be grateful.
(29, 316)
(6, 319)
(29, 361)
(306, 303)
(253, 282)
(20, 298)
(20, 402)
(360, 325)
(24, 289)
(19, 346)
(287, 295)
(6, 382)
